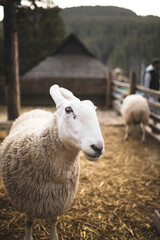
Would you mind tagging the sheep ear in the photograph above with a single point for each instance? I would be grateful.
(56, 95)
(68, 95)
(88, 102)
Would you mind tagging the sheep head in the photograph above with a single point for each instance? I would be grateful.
(77, 123)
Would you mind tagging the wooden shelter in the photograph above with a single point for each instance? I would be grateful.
(72, 66)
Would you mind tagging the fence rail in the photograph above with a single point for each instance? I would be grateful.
(151, 92)
(123, 92)
(117, 91)
(121, 84)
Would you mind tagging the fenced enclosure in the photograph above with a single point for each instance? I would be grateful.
(120, 190)
(107, 92)
(117, 91)
(123, 197)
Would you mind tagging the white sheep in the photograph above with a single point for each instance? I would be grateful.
(39, 158)
(135, 111)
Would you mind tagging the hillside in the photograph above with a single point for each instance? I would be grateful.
(115, 35)
(96, 11)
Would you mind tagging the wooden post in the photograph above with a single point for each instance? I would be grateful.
(12, 85)
(132, 77)
(109, 90)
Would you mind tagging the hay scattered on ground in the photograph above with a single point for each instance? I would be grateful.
(116, 199)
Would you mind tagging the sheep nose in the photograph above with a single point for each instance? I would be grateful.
(97, 149)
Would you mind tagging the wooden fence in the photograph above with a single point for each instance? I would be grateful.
(117, 91)
(106, 91)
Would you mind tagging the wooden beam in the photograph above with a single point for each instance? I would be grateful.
(155, 116)
(116, 96)
(109, 89)
(154, 135)
(12, 85)
(154, 104)
(121, 84)
(154, 93)
(132, 88)
(116, 89)
(154, 128)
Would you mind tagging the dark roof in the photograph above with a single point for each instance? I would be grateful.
(71, 60)
(71, 66)
(72, 46)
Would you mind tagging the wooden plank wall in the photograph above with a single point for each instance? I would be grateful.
(37, 91)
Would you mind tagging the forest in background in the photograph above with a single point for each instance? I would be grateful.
(116, 36)
(39, 36)
(40, 32)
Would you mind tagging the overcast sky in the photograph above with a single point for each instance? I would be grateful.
(140, 7)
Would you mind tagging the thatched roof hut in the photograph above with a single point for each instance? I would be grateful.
(72, 66)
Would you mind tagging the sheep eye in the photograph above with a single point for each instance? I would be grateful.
(68, 110)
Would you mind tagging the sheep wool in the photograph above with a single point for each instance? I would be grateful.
(38, 180)
(39, 159)
(135, 111)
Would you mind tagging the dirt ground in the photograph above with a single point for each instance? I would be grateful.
(116, 199)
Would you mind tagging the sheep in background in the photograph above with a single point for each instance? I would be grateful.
(135, 111)
(117, 73)
(39, 158)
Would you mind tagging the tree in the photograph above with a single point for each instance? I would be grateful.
(39, 36)
(12, 85)
(117, 36)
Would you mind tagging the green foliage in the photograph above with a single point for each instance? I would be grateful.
(97, 11)
(116, 36)
(40, 33)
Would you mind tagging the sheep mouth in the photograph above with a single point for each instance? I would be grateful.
(91, 157)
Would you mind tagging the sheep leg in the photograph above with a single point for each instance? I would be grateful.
(127, 132)
(28, 231)
(143, 133)
(53, 233)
